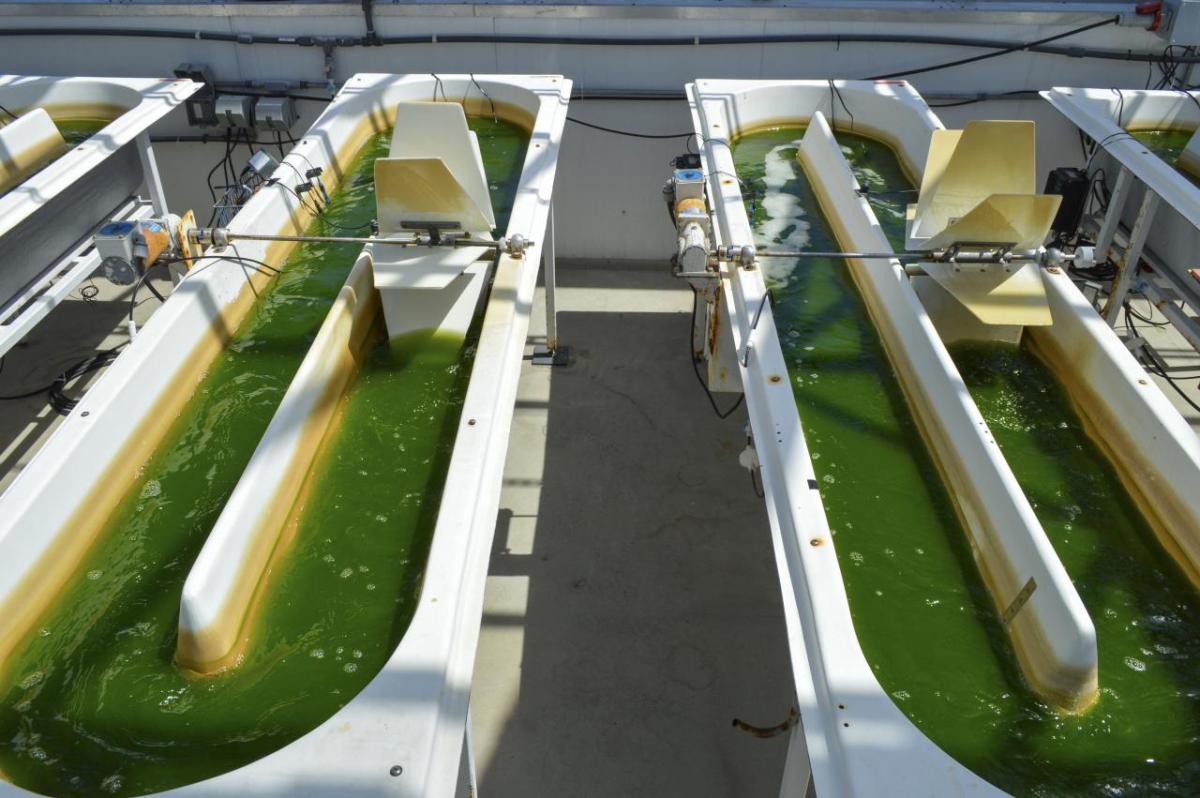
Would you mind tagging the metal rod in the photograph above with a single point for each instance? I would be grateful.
(778, 253)
(397, 242)
(550, 280)
(945, 256)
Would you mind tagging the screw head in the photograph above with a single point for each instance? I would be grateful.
(396, 770)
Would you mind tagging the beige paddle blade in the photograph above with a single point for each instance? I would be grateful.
(978, 191)
(421, 267)
(423, 190)
(1189, 159)
(439, 130)
(1019, 221)
(965, 167)
(1013, 295)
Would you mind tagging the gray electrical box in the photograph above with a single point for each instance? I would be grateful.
(235, 110)
(275, 113)
(1181, 22)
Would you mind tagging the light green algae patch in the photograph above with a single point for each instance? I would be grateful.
(75, 131)
(925, 621)
(1168, 145)
(94, 704)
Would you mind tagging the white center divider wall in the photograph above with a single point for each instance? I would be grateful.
(858, 742)
(411, 719)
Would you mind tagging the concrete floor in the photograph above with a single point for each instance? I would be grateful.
(632, 607)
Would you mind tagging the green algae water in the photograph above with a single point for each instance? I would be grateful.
(75, 131)
(93, 703)
(921, 612)
(1168, 145)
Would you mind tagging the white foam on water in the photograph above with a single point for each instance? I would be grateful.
(788, 225)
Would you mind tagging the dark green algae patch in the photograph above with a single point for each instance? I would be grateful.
(93, 703)
(921, 612)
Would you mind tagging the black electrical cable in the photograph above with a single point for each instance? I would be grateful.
(759, 492)
(985, 98)
(485, 94)
(10, 113)
(1100, 145)
(58, 398)
(28, 394)
(437, 84)
(630, 133)
(834, 91)
(1005, 51)
(157, 294)
(212, 191)
(315, 208)
(167, 261)
(1153, 368)
(696, 365)
(1147, 319)
(142, 279)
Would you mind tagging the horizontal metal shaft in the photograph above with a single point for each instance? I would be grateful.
(985, 256)
(776, 253)
(396, 242)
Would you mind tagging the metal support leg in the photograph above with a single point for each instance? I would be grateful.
(150, 171)
(797, 771)
(1128, 266)
(469, 757)
(553, 353)
(1112, 217)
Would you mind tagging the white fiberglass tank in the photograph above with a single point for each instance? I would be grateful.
(284, 349)
(858, 377)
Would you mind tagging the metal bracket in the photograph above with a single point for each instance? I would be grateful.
(1128, 266)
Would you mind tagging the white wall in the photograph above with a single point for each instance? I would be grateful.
(608, 201)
